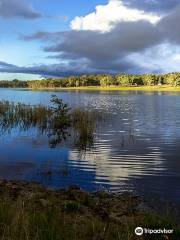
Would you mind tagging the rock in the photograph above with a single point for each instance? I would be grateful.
(103, 195)
(78, 195)
(2, 181)
(116, 219)
(74, 187)
(103, 213)
(120, 219)
(44, 202)
(142, 207)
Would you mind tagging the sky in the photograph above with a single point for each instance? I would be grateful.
(45, 38)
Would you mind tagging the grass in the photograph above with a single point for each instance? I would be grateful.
(58, 122)
(165, 88)
(30, 212)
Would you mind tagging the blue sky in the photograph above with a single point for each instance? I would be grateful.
(56, 17)
(43, 38)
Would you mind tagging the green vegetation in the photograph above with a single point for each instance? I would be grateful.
(58, 122)
(13, 84)
(163, 88)
(29, 211)
(103, 80)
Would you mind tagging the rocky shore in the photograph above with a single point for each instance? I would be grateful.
(30, 211)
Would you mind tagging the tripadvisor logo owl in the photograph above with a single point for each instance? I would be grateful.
(139, 231)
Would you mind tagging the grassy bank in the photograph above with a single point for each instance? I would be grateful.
(29, 211)
(165, 88)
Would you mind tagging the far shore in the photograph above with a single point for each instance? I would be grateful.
(165, 88)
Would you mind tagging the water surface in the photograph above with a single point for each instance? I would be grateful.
(135, 148)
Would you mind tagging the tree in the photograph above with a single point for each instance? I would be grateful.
(172, 79)
(124, 80)
(107, 80)
(149, 79)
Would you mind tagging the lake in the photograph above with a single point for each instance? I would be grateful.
(136, 148)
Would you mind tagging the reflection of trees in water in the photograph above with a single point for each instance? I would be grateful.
(58, 122)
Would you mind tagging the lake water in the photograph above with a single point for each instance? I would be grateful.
(136, 148)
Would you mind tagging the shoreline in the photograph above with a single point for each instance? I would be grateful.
(163, 88)
(74, 214)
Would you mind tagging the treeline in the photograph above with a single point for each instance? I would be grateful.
(13, 84)
(172, 79)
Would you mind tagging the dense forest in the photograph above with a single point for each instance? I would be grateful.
(172, 79)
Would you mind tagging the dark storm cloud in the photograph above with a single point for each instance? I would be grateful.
(170, 26)
(96, 46)
(152, 5)
(92, 51)
(97, 52)
(53, 70)
(103, 52)
(5, 65)
(17, 9)
(68, 69)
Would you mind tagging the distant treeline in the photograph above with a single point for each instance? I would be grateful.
(13, 84)
(172, 79)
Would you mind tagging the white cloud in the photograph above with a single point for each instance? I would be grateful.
(163, 58)
(107, 16)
